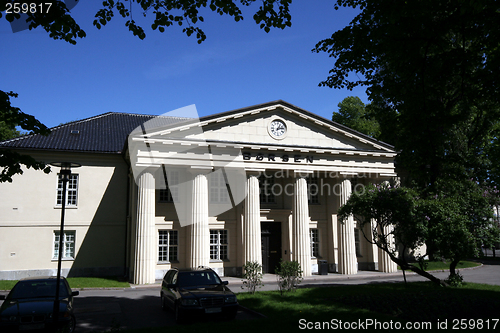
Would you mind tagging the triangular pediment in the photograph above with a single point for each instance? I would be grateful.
(253, 127)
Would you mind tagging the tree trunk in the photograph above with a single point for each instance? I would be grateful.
(453, 265)
(404, 265)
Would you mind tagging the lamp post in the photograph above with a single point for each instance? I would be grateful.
(65, 172)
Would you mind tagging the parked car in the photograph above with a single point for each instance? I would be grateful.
(30, 306)
(197, 293)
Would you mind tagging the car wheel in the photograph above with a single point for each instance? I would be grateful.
(178, 315)
(163, 305)
(70, 327)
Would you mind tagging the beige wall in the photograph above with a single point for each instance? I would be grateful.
(29, 216)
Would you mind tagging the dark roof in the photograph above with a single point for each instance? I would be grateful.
(106, 133)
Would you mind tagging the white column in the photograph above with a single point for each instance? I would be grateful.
(385, 264)
(301, 250)
(199, 251)
(145, 238)
(252, 247)
(347, 247)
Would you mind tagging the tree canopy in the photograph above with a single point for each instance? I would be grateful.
(10, 117)
(431, 68)
(354, 113)
(453, 223)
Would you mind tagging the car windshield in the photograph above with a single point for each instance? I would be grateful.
(194, 279)
(37, 289)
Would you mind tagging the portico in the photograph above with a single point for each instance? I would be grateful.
(218, 190)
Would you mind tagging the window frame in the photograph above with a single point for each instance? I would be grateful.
(266, 197)
(315, 244)
(313, 199)
(55, 245)
(218, 188)
(170, 193)
(168, 246)
(74, 180)
(219, 248)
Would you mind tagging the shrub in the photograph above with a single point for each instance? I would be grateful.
(455, 280)
(252, 272)
(289, 275)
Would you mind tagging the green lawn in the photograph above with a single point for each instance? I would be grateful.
(440, 265)
(95, 282)
(7, 284)
(334, 307)
(80, 282)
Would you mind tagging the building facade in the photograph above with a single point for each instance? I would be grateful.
(262, 183)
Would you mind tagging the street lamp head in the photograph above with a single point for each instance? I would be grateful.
(66, 166)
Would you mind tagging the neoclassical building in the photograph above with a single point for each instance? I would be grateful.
(262, 183)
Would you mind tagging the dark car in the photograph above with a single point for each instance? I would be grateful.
(30, 306)
(197, 293)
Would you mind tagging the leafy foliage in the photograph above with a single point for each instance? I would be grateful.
(431, 70)
(289, 275)
(252, 272)
(354, 114)
(453, 223)
(8, 131)
(11, 117)
(57, 21)
(271, 14)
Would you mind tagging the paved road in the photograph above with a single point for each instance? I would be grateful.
(100, 310)
(139, 306)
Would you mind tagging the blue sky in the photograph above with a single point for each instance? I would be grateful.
(238, 65)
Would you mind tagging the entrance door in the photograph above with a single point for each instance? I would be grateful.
(271, 245)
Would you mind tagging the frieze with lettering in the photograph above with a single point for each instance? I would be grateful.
(278, 158)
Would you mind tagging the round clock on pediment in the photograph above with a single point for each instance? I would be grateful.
(277, 129)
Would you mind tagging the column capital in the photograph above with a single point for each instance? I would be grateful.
(254, 172)
(200, 170)
(302, 173)
(348, 175)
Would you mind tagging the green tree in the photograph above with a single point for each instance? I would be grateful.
(431, 69)
(10, 117)
(8, 132)
(354, 114)
(394, 218)
(60, 25)
(453, 223)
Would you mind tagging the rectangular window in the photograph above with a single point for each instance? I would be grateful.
(168, 242)
(218, 188)
(71, 190)
(68, 245)
(218, 244)
(312, 190)
(171, 191)
(266, 184)
(314, 236)
(357, 242)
